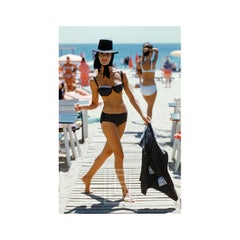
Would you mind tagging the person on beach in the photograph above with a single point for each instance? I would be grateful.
(84, 70)
(69, 74)
(139, 69)
(148, 85)
(110, 83)
(174, 67)
(61, 91)
(167, 71)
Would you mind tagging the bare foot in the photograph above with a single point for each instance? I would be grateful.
(87, 182)
(128, 198)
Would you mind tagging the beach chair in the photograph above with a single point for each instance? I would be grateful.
(175, 116)
(176, 124)
(176, 152)
(68, 125)
(176, 105)
(74, 128)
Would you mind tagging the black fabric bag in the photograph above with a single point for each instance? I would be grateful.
(154, 169)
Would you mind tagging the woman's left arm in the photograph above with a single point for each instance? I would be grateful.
(133, 100)
(155, 56)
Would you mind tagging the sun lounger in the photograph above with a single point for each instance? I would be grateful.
(175, 116)
(69, 124)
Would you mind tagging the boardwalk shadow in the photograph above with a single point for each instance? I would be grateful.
(108, 206)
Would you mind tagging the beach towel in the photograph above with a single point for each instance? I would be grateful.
(78, 94)
(154, 169)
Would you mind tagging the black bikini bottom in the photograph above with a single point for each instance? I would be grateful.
(117, 119)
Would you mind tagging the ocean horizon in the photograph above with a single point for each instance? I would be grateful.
(125, 50)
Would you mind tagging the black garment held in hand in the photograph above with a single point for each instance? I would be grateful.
(154, 169)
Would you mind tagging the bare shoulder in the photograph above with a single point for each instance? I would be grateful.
(116, 73)
(92, 83)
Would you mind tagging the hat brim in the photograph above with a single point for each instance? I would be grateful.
(105, 51)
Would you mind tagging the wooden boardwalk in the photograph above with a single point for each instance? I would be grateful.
(106, 196)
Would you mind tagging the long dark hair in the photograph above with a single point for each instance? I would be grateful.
(97, 65)
(147, 45)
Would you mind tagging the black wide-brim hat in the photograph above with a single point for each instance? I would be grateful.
(105, 46)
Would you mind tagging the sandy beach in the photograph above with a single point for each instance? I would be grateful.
(160, 122)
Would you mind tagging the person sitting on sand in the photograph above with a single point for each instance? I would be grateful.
(110, 83)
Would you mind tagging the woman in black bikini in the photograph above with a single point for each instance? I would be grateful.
(109, 83)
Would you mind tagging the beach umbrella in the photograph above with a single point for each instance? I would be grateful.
(73, 58)
(176, 53)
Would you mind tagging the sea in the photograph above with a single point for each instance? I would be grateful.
(125, 50)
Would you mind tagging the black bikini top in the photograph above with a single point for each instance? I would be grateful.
(107, 90)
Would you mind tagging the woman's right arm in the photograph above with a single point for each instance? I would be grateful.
(133, 100)
(94, 104)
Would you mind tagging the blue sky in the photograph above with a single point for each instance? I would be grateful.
(120, 34)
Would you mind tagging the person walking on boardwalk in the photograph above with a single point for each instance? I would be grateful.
(110, 83)
(148, 85)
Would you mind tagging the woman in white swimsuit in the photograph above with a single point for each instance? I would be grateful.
(148, 85)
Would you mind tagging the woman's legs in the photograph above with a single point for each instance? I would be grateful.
(113, 145)
(113, 135)
(69, 83)
(106, 152)
(150, 102)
